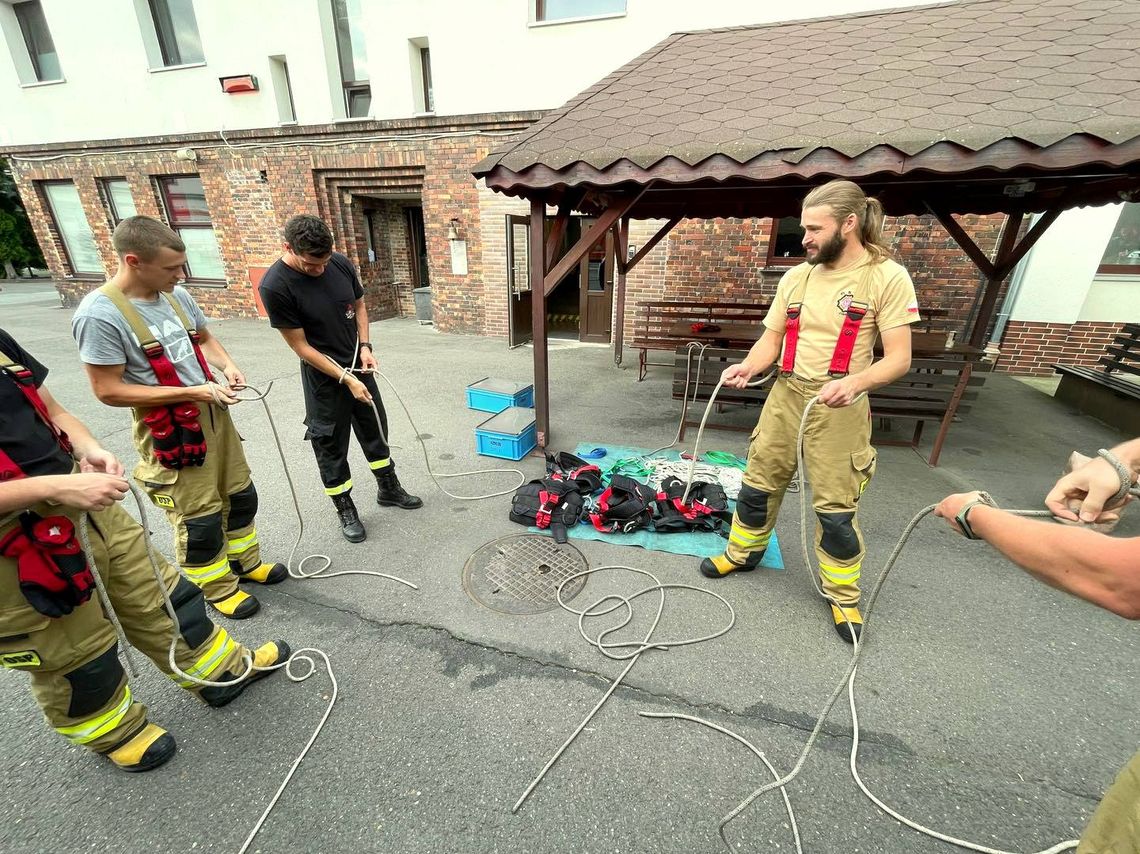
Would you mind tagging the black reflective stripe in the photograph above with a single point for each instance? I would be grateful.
(93, 684)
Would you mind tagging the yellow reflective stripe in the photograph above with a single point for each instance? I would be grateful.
(338, 490)
(93, 728)
(221, 647)
(841, 574)
(205, 574)
(746, 539)
(379, 464)
(242, 544)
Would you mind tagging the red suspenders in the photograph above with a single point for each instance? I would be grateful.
(9, 469)
(844, 347)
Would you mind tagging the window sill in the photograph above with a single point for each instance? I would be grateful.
(1118, 275)
(86, 277)
(41, 83)
(163, 68)
(340, 120)
(204, 283)
(558, 21)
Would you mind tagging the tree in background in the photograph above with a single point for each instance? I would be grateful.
(18, 247)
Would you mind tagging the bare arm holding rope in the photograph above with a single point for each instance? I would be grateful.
(317, 360)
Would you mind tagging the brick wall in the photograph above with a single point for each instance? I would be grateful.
(252, 190)
(726, 259)
(1033, 348)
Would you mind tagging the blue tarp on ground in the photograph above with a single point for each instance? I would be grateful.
(701, 544)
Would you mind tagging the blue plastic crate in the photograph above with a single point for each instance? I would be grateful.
(491, 395)
(510, 435)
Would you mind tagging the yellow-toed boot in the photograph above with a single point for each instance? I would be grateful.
(150, 747)
(848, 621)
(237, 606)
(266, 655)
(267, 573)
(721, 565)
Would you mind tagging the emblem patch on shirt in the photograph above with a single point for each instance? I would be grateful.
(350, 311)
(163, 500)
(844, 301)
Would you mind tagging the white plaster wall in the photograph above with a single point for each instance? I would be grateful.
(110, 90)
(1060, 269)
(487, 56)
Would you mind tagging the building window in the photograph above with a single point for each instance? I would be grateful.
(425, 79)
(353, 58)
(1122, 255)
(282, 90)
(117, 195)
(557, 10)
(177, 31)
(74, 230)
(785, 247)
(184, 201)
(37, 39)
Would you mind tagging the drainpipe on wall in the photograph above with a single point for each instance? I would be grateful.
(1010, 300)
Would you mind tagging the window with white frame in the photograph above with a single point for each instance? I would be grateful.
(74, 231)
(1122, 255)
(117, 195)
(184, 201)
(177, 32)
(38, 41)
(558, 10)
(353, 57)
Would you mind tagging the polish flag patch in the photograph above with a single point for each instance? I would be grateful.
(912, 308)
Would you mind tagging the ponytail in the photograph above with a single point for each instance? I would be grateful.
(845, 198)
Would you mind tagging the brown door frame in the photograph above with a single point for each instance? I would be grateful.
(519, 300)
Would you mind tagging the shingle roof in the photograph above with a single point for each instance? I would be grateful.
(971, 73)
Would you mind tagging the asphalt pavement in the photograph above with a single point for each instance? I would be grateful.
(992, 707)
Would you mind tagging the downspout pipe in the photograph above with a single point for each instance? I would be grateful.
(1010, 299)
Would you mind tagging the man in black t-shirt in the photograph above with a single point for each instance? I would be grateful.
(314, 298)
(54, 479)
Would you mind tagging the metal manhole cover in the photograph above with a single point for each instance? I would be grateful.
(521, 574)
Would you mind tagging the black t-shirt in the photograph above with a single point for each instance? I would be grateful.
(23, 435)
(323, 306)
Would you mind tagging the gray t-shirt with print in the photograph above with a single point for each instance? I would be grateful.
(105, 337)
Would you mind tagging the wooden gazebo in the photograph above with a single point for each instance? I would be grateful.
(980, 106)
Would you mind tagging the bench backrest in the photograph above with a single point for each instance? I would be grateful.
(926, 390)
(1123, 354)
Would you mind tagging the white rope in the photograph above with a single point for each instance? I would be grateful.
(848, 678)
(630, 650)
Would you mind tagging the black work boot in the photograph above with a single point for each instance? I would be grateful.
(350, 524)
(391, 494)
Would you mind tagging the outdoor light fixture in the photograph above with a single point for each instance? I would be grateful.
(453, 232)
(238, 83)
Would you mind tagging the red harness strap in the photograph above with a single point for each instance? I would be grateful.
(791, 336)
(845, 346)
(542, 515)
(24, 379)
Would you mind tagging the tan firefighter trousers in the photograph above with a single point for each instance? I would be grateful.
(210, 507)
(840, 463)
(72, 660)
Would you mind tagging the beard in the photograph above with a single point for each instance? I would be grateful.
(829, 251)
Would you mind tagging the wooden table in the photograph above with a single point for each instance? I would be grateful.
(725, 334)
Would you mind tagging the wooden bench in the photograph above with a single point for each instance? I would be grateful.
(938, 388)
(1104, 392)
(654, 319)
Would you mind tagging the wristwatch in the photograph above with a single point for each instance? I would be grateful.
(367, 344)
(962, 519)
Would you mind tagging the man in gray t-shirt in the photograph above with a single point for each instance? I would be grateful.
(105, 337)
(191, 461)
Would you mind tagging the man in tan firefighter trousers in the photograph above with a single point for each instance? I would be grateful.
(825, 319)
(145, 345)
(56, 480)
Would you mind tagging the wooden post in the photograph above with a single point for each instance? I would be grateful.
(620, 250)
(538, 321)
